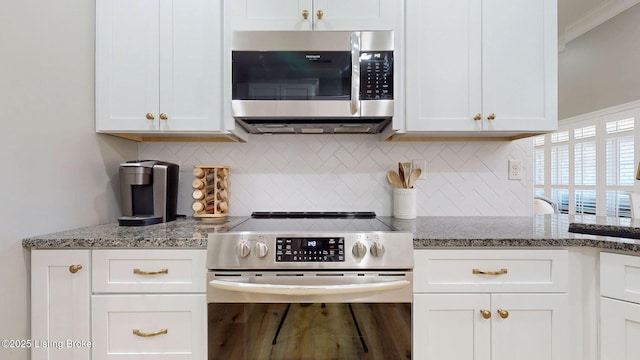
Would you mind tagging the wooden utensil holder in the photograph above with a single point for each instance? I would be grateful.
(210, 191)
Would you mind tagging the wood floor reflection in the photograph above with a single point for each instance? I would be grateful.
(309, 331)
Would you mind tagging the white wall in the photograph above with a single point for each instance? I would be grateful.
(348, 172)
(600, 69)
(56, 172)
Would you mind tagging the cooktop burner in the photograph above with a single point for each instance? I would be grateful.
(312, 222)
(313, 214)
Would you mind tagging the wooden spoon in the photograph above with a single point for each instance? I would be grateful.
(403, 177)
(394, 179)
(415, 174)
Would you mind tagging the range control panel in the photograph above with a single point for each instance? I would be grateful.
(317, 250)
(376, 75)
(310, 249)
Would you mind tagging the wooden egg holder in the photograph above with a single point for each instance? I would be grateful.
(210, 192)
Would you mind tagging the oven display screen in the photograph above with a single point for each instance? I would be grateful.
(316, 249)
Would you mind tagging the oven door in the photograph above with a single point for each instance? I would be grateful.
(306, 315)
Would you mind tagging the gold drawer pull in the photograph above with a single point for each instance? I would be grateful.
(140, 272)
(75, 268)
(485, 313)
(141, 334)
(503, 313)
(480, 272)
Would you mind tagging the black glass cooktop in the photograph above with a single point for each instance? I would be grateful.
(312, 222)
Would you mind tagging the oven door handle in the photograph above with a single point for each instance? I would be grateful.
(282, 289)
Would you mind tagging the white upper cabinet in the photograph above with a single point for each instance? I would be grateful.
(312, 14)
(158, 66)
(481, 66)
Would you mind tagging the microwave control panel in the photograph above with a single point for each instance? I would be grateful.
(376, 75)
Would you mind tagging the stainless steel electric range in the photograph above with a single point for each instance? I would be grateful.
(330, 285)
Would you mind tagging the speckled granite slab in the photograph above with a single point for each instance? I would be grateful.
(182, 233)
(428, 232)
(504, 231)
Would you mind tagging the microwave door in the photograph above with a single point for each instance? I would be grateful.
(292, 84)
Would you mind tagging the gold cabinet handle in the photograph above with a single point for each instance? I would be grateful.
(491, 116)
(485, 313)
(75, 268)
(150, 116)
(477, 117)
(163, 116)
(305, 14)
(480, 272)
(503, 313)
(141, 334)
(140, 272)
(319, 14)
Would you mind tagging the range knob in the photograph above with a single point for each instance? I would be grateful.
(243, 250)
(261, 249)
(377, 249)
(359, 249)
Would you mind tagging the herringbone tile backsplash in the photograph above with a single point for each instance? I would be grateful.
(348, 172)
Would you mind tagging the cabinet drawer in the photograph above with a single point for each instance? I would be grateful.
(157, 271)
(490, 271)
(620, 276)
(171, 326)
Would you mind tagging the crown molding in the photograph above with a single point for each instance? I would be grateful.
(592, 19)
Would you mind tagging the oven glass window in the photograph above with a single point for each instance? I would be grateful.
(291, 75)
(298, 331)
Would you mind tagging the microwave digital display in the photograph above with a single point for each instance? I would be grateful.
(376, 75)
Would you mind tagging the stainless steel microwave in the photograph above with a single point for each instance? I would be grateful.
(312, 81)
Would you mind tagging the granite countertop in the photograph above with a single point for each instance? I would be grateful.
(181, 233)
(428, 232)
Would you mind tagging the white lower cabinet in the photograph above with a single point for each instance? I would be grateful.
(118, 304)
(619, 307)
(60, 294)
(490, 304)
(169, 326)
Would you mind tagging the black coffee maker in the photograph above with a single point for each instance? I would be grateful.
(149, 192)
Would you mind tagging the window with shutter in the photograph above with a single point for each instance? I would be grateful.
(589, 165)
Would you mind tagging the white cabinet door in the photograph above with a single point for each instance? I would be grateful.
(519, 65)
(269, 15)
(158, 327)
(190, 65)
(443, 65)
(529, 327)
(312, 14)
(355, 14)
(481, 66)
(619, 330)
(158, 66)
(60, 299)
(519, 326)
(127, 65)
(451, 326)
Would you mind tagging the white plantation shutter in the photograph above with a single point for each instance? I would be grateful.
(620, 165)
(538, 154)
(589, 166)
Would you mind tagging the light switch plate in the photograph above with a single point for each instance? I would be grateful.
(515, 169)
(420, 164)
